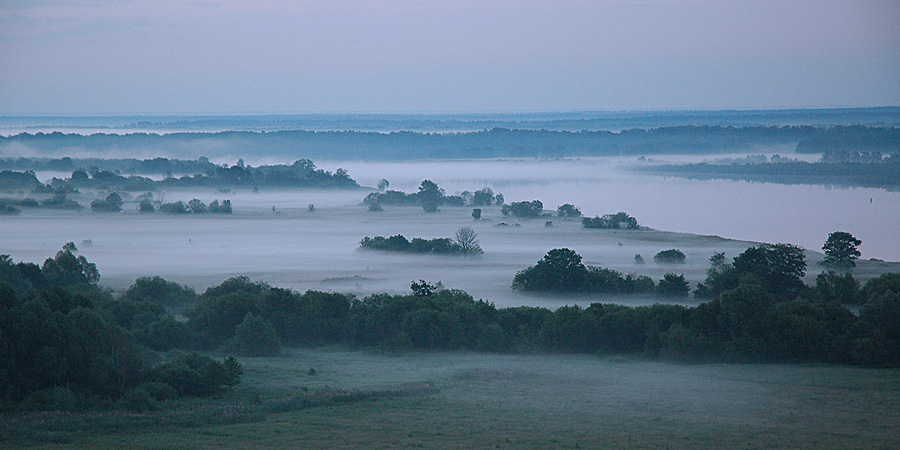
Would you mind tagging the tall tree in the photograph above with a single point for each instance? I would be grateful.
(841, 250)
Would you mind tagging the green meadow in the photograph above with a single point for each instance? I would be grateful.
(362, 399)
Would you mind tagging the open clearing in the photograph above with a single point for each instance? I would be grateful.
(547, 401)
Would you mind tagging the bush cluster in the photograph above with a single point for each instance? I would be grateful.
(619, 220)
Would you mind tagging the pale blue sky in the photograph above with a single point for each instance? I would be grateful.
(228, 56)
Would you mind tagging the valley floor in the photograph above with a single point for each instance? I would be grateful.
(476, 400)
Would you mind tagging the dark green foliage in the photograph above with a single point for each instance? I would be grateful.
(430, 197)
(779, 266)
(671, 256)
(560, 270)
(66, 269)
(476, 213)
(254, 336)
(841, 250)
(422, 288)
(399, 243)
(619, 220)
(195, 206)
(309, 318)
(673, 286)
(156, 289)
(60, 200)
(484, 197)
(880, 285)
(883, 311)
(173, 208)
(112, 203)
(841, 288)
(146, 206)
(195, 375)
(163, 334)
(18, 181)
(530, 209)
(568, 210)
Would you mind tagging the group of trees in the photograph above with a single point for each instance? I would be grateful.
(430, 197)
(67, 343)
(465, 242)
(194, 206)
(619, 220)
(561, 270)
(302, 173)
(523, 209)
(112, 203)
(745, 323)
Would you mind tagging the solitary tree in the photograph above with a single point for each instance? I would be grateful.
(422, 288)
(467, 239)
(841, 250)
(560, 270)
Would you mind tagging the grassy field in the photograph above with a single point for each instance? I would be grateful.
(465, 400)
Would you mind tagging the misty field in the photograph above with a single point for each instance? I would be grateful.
(540, 401)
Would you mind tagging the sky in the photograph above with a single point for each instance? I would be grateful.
(273, 56)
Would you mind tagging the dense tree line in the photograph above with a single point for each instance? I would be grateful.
(883, 173)
(154, 166)
(301, 174)
(67, 343)
(430, 196)
(490, 143)
(852, 138)
(745, 323)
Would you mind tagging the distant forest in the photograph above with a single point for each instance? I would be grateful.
(301, 174)
(493, 143)
(838, 168)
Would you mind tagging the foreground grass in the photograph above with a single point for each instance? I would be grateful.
(466, 400)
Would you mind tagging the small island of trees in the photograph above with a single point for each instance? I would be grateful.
(465, 243)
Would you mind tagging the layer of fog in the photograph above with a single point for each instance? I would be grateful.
(753, 211)
(292, 247)
(272, 236)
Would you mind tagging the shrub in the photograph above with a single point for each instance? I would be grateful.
(194, 375)
(671, 256)
(158, 290)
(254, 336)
(113, 203)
